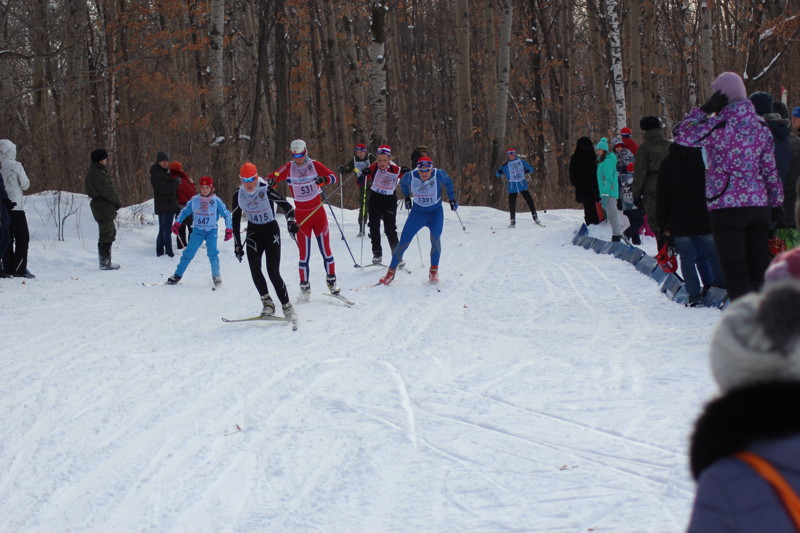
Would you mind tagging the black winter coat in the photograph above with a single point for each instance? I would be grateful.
(779, 128)
(792, 178)
(583, 173)
(680, 193)
(165, 190)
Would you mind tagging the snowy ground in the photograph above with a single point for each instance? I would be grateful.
(539, 387)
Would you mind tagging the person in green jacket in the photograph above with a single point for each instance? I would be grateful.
(645, 174)
(105, 203)
(608, 184)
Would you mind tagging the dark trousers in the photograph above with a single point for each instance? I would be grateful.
(590, 215)
(512, 203)
(164, 239)
(741, 237)
(15, 258)
(266, 241)
(382, 207)
(636, 219)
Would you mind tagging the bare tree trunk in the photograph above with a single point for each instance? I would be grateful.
(466, 146)
(282, 139)
(219, 118)
(504, 73)
(616, 64)
(634, 19)
(688, 52)
(378, 73)
(706, 50)
(334, 70)
(650, 54)
(599, 62)
(398, 95)
(355, 82)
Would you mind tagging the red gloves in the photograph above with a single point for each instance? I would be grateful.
(228, 234)
(176, 228)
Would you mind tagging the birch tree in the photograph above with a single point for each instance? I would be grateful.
(706, 50)
(633, 21)
(377, 51)
(617, 78)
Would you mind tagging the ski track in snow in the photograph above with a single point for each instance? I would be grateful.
(537, 387)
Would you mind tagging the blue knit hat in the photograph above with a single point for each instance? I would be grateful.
(796, 112)
(602, 145)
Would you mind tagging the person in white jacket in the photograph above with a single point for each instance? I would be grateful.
(15, 259)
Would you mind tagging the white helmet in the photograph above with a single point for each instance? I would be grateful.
(298, 146)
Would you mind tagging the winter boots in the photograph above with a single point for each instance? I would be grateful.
(512, 224)
(217, 281)
(377, 259)
(104, 251)
(331, 281)
(388, 278)
(535, 217)
(305, 290)
(173, 279)
(288, 312)
(433, 274)
(269, 305)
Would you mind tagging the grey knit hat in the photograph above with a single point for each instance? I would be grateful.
(758, 338)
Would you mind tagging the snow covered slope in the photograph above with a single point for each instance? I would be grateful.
(538, 387)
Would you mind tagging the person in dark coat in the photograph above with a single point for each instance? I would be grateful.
(755, 359)
(779, 127)
(645, 175)
(583, 176)
(165, 202)
(682, 214)
(6, 205)
(105, 203)
(786, 230)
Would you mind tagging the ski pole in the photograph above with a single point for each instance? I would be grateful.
(459, 221)
(321, 204)
(325, 197)
(419, 247)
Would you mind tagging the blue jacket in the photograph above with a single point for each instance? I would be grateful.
(442, 178)
(731, 496)
(514, 186)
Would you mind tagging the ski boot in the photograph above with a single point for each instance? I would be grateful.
(331, 281)
(387, 279)
(269, 305)
(288, 312)
(173, 279)
(305, 291)
(377, 259)
(512, 224)
(536, 218)
(217, 281)
(433, 274)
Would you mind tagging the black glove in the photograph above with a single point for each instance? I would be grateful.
(292, 226)
(453, 205)
(404, 170)
(9, 204)
(321, 180)
(638, 203)
(619, 204)
(340, 169)
(715, 103)
(778, 215)
(238, 251)
(408, 202)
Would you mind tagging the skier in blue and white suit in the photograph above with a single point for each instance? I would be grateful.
(207, 209)
(425, 184)
(514, 171)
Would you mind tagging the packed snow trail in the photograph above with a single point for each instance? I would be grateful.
(539, 387)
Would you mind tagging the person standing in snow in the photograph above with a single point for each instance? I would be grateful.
(742, 181)
(6, 205)
(382, 177)
(753, 425)
(165, 202)
(207, 209)
(625, 169)
(306, 178)
(255, 199)
(15, 259)
(514, 171)
(583, 176)
(105, 204)
(645, 175)
(608, 185)
(357, 164)
(425, 184)
(186, 190)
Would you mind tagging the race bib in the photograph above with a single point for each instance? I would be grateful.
(205, 212)
(385, 181)
(426, 193)
(256, 206)
(516, 170)
(302, 180)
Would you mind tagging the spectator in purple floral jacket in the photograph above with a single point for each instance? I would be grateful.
(741, 180)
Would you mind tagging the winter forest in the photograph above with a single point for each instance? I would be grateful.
(218, 82)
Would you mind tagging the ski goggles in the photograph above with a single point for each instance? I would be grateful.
(248, 180)
(298, 156)
(425, 166)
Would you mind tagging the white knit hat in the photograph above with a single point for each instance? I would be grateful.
(758, 338)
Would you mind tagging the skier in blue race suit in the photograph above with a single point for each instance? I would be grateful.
(207, 209)
(425, 183)
(514, 171)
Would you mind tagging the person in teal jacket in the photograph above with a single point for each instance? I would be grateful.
(514, 171)
(608, 183)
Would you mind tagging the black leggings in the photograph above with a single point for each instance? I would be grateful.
(266, 240)
(512, 202)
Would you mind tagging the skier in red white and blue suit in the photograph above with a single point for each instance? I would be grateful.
(425, 184)
(514, 171)
(306, 178)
